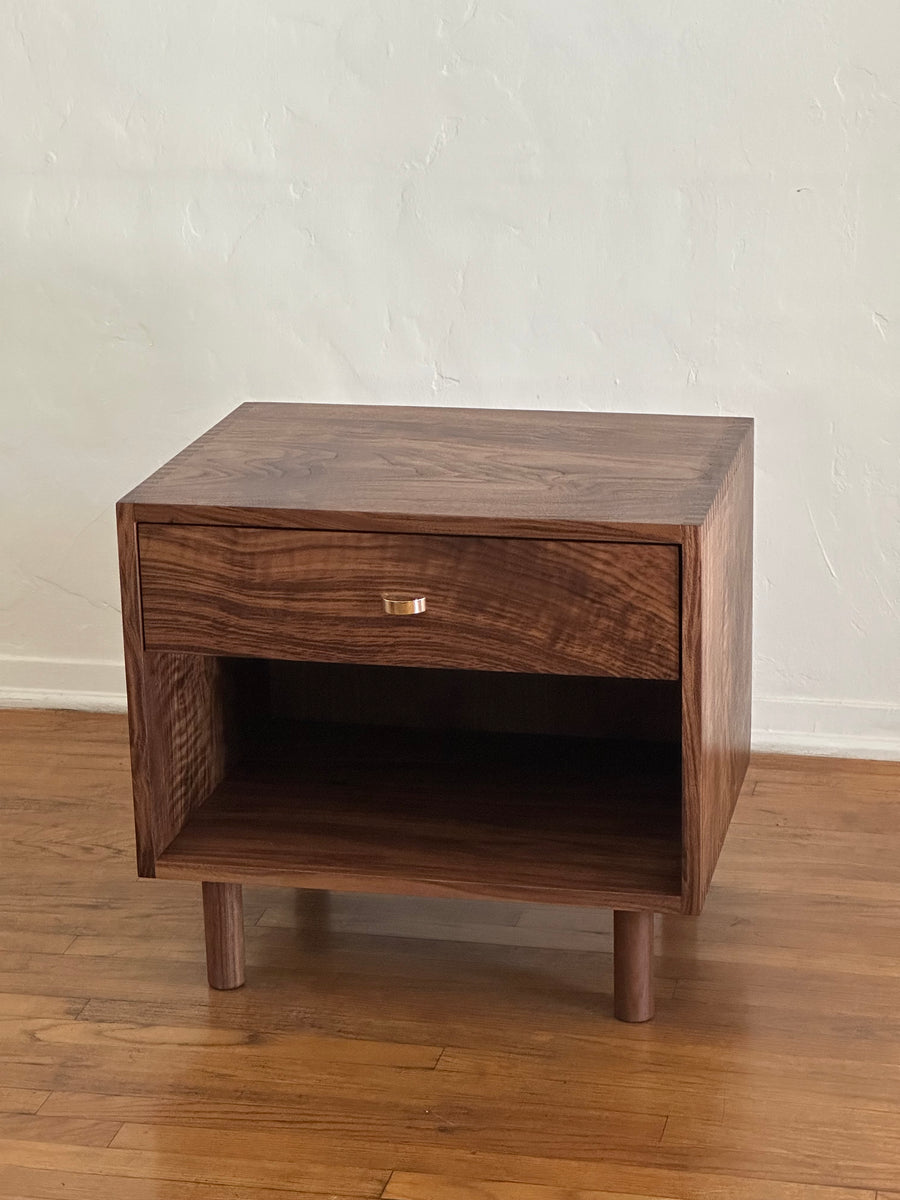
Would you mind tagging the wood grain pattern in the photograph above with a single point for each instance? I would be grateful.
(631, 1184)
(580, 1137)
(167, 1175)
(492, 603)
(223, 921)
(717, 569)
(219, 583)
(419, 813)
(177, 707)
(431, 1067)
(86, 1183)
(447, 470)
(21, 1100)
(633, 965)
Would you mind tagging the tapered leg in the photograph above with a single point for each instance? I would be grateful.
(223, 918)
(633, 965)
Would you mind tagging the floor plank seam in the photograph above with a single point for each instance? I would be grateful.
(77, 1016)
(115, 1135)
(42, 1103)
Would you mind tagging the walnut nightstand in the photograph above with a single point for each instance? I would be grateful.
(442, 652)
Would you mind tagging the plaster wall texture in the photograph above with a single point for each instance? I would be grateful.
(639, 206)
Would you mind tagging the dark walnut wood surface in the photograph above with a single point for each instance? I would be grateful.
(495, 604)
(624, 476)
(563, 820)
(485, 475)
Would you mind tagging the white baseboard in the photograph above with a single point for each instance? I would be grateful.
(62, 683)
(843, 729)
(792, 725)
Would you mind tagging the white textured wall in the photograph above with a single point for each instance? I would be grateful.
(639, 205)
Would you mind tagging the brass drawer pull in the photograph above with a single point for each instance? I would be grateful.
(403, 606)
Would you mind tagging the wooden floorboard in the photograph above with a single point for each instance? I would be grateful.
(444, 1049)
(632, 1184)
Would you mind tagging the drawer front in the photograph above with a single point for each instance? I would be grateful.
(501, 604)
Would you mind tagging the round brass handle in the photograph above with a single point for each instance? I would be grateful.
(402, 606)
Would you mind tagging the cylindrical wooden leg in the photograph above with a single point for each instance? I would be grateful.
(223, 919)
(633, 965)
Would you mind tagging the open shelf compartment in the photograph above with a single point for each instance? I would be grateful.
(346, 781)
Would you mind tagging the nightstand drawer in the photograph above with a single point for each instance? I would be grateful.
(502, 604)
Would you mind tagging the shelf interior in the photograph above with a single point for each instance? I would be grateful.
(424, 811)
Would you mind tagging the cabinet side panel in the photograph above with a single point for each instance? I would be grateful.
(716, 633)
(185, 710)
(692, 806)
(133, 636)
(176, 719)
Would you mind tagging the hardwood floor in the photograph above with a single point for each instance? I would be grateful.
(441, 1049)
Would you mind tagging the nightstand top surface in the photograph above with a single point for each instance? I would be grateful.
(349, 464)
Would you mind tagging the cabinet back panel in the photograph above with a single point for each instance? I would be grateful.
(497, 702)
